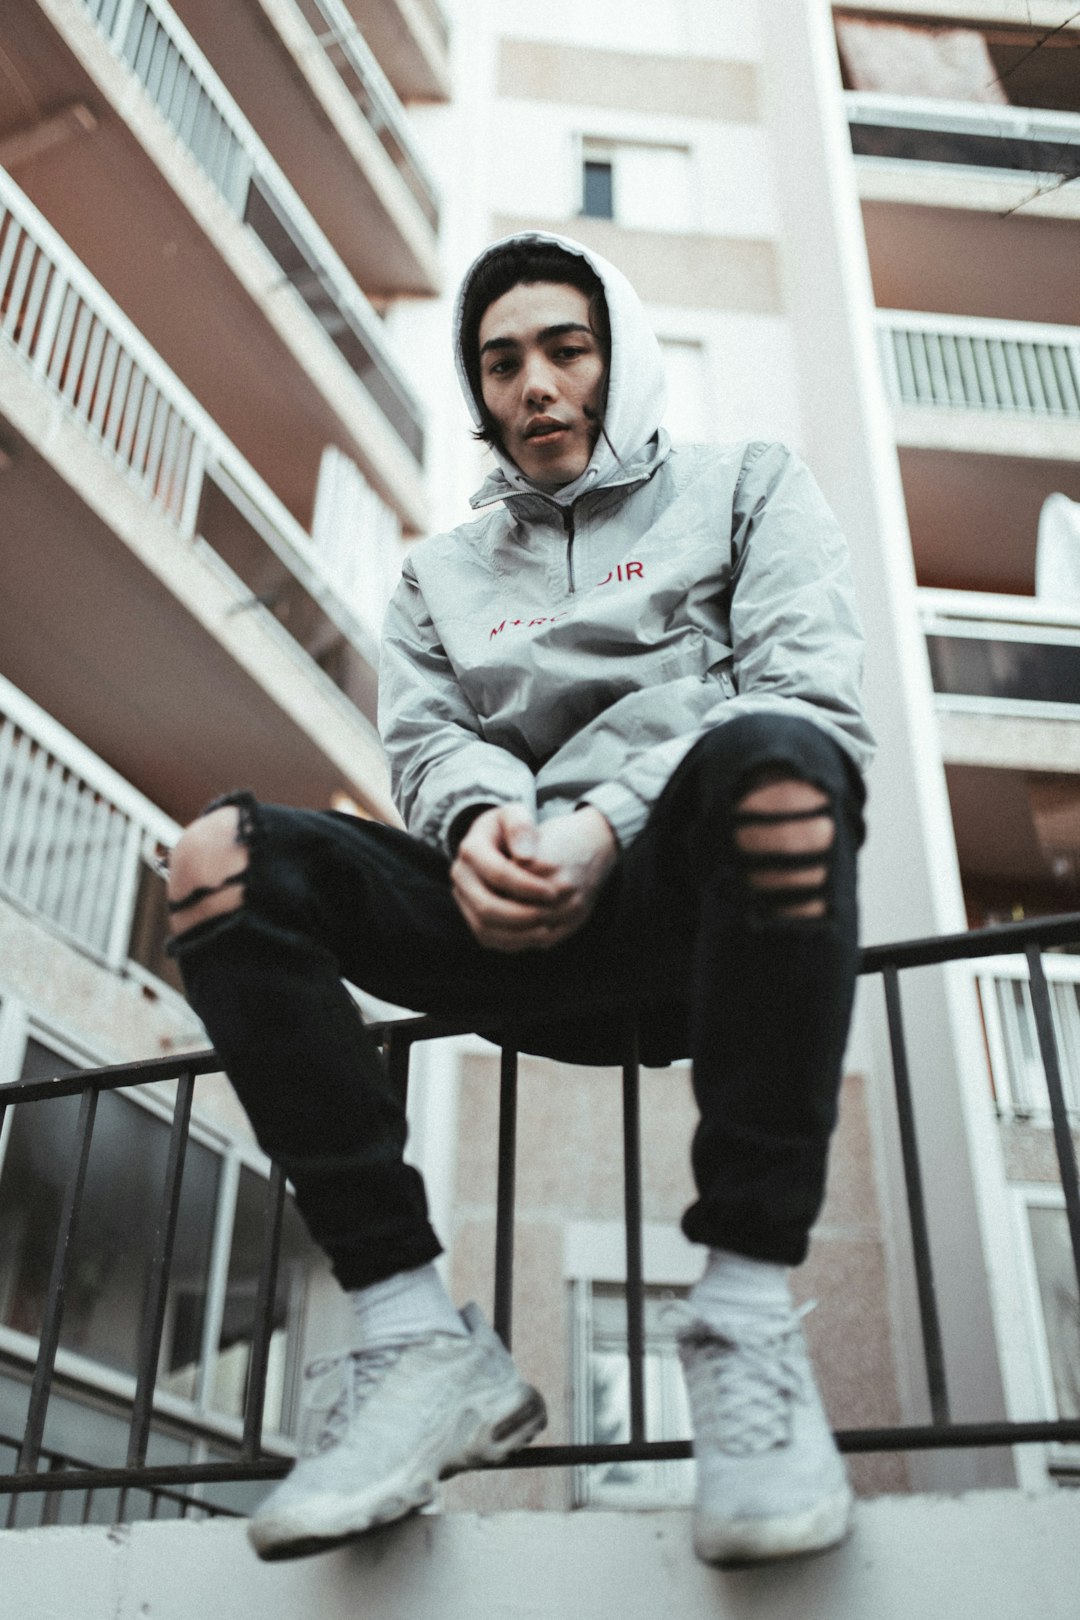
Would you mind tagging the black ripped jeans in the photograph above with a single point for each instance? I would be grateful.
(709, 963)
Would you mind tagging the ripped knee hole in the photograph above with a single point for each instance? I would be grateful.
(784, 829)
(204, 880)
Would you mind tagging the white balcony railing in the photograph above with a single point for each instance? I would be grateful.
(70, 335)
(1009, 655)
(985, 135)
(957, 362)
(1012, 1039)
(76, 840)
(352, 59)
(154, 44)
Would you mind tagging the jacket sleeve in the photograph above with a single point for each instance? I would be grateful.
(795, 635)
(439, 763)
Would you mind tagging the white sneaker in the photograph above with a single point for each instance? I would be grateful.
(405, 1416)
(770, 1481)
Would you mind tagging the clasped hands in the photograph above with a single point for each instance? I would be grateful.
(525, 886)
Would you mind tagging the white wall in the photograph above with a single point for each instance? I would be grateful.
(994, 1556)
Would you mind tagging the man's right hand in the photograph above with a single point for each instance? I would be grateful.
(508, 906)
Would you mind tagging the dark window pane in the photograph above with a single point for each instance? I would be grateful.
(298, 1254)
(598, 192)
(1061, 1308)
(951, 146)
(110, 1252)
(1036, 672)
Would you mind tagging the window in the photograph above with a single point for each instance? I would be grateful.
(1051, 1303)
(1058, 1296)
(602, 1399)
(209, 1320)
(640, 186)
(1012, 1038)
(686, 417)
(598, 190)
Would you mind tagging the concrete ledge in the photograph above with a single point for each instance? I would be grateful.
(985, 1556)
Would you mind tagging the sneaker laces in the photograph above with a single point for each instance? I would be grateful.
(359, 1373)
(742, 1386)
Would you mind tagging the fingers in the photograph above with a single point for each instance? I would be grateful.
(487, 855)
(512, 897)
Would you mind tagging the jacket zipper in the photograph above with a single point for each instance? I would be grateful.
(568, 524)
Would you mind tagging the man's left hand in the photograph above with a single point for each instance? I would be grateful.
(577, 851)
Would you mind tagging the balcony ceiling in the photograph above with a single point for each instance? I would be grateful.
(974, 518)
(111, 654)
(994, 818)
(366, 210)
(960, 262)
(109, 201)
(409, 44)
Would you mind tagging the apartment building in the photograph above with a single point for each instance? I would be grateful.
(965, 125)
(834, 253)
(211, 452)
(880, 270)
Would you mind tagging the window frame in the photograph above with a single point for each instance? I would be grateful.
(81, 1376)
(590, 148)
(1061, 1460)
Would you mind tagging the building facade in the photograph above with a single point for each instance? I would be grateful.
(228, 400)
(211, 454)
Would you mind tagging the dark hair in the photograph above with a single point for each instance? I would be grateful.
(510, 266)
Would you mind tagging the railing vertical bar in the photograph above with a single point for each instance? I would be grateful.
(933, 1348)
(86, 392)
(23, 267)
(1066, 1151)
(504, 1195)
(632, 1200)
(264, 1314)
(42, 838)
(398, 1053)
(36, 299)
(49, 1337)
(157, 1285)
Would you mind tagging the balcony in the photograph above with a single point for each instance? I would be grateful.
(1007, 656)
(218, 229)
(76, 360)
(996, 387)
(302, 72)
(1041, 144)
(1006, 676)
(78, 844)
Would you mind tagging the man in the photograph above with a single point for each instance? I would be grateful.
(621, 710)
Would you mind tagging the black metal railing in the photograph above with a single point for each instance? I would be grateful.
(38, 1470)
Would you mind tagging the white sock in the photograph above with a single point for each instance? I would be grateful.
(734, 1285)
(407, 1305)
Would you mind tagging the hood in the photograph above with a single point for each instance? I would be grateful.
(636, 392)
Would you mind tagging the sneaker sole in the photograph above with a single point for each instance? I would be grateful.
(333, 1520)
(792, 1535)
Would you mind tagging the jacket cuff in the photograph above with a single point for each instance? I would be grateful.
(461, 823)
(624, 811)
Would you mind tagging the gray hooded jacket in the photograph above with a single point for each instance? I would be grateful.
(572, 647)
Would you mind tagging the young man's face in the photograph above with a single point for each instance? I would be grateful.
(542, 373)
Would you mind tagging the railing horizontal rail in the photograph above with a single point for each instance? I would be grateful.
(942, 1433)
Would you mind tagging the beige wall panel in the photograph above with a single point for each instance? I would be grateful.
(685, 87)
(684, 271)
